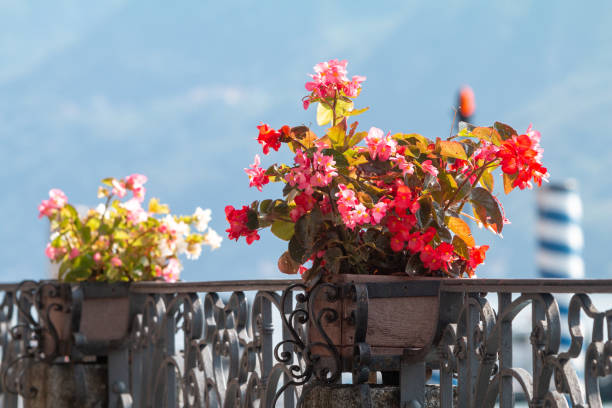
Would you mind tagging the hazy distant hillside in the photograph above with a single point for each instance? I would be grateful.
(175, 92)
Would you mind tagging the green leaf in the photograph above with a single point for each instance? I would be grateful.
(62, 270)
(423, 214)
(487, 180)
(265, 206)
(444, 233)
(280, 208)
(71, 211)
(336, 136)
(108, 181)
(356, 138)
(77, 275)
(80, 268)
(297, 250)
(93, 223)
(85, 234)
(354, 158)
(324, 115)
(343, 108)
(486, 208)
(448, 180)
(452, 149)
(505, 131)
(307, 227)
(283, 229)
(120, 235)
(461, 247)
(333, 259)
(253, 219)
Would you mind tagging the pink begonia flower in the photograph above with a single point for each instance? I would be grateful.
(46, 208)
(329, 80)
(118, 188)
(380, 147)
(429, 168)
(353, 213)
(317, 172)
(351, 88)
(135, 213)
(54, 253)
(116, 261)
(360, 214)
(405, 166)
(301, 159)
(172, 271)
(135, 182)
(325, 205)
(257, 175)
(58, 197)
(74, 252)
(97, 257)
(379, 211)
(57, 200)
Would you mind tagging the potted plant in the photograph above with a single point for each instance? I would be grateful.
(381, 208)
(100, 251)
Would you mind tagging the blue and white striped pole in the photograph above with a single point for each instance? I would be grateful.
(560, 240)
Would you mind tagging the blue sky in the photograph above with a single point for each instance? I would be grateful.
(175, 91)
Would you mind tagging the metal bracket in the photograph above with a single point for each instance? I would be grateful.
(412, 382)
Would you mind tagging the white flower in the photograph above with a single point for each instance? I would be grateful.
(202, 218)
(101, 209)
(213, 239)
(194, 250)
(166, 249)
(176, 228)
(136, 213)
(181, 245)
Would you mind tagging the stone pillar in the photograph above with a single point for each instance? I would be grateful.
(356, 396)
(82, 385)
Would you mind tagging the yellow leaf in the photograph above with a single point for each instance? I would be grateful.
(452, 149)
(324, 115)
(156, 208)
(489, 134)
(356, 112)
(356, 138)
(461, 247)
(460, 227)
(487, 180)
(508, 180)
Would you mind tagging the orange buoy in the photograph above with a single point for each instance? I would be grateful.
(467, 102)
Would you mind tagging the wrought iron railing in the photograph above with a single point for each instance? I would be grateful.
(244, 343)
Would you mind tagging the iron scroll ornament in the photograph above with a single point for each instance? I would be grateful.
(472, 350)
(298, 322)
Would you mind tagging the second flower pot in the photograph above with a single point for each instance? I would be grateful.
(368, 322)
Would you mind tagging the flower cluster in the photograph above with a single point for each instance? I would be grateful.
(521, 159)
(394, 204)
(121, 240)
(239, 220)
(330, 82)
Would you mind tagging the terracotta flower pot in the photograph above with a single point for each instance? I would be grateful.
(88, 317)
(376, 318)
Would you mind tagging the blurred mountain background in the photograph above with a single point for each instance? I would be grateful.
(175, 91)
